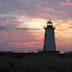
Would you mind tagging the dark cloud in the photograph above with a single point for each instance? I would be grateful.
(3, 28)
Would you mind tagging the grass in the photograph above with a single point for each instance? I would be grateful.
(35, 63)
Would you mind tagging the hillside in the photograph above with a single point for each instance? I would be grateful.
(32, 62)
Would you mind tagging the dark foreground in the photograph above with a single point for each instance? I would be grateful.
(31, 62)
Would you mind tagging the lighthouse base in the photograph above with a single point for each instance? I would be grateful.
(53, 52)
(50, 52)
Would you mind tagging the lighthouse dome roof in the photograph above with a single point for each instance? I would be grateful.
(49, 22)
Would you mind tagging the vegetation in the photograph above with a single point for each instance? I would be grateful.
(35, 62)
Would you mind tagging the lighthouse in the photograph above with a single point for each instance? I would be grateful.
(49, 40)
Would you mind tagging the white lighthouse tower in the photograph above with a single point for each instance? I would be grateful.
(49, 41)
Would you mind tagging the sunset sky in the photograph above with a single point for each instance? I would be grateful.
(34, 14)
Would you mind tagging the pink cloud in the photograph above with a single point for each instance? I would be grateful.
(19, 39)
(66, 3)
